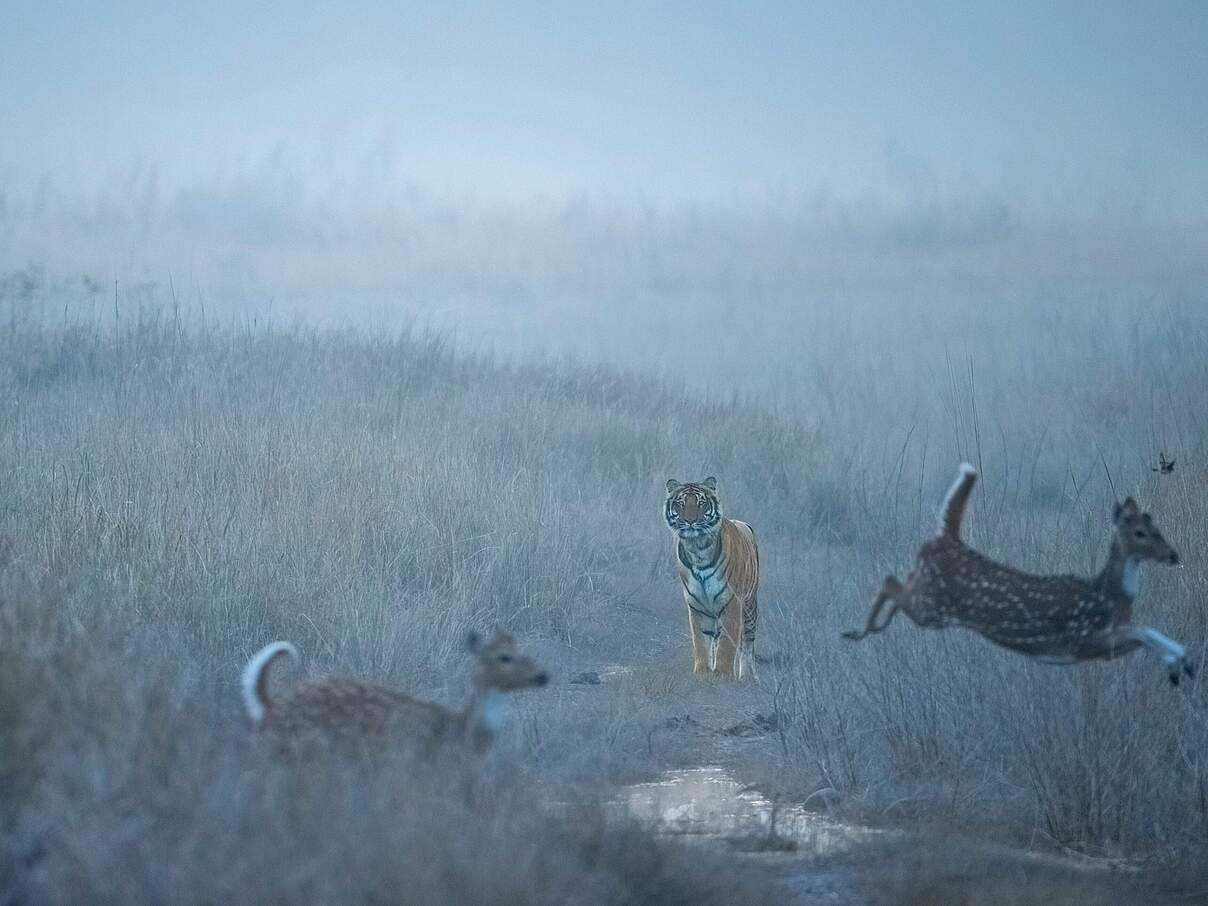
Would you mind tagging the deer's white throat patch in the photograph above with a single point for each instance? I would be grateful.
(1131, 579)
(493, 710)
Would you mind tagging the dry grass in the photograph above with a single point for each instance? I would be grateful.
(128, 778)
(176, 494)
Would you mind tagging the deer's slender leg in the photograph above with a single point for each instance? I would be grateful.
(889, 591)
(1124, 639)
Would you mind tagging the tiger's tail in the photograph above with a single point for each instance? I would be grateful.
(955, 502)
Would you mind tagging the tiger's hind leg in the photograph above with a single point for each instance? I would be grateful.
(746, 653)
(890, 589)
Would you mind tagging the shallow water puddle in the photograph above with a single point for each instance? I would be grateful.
(710, 802)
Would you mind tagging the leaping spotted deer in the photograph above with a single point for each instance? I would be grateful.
(1055, 619)
(352, 710)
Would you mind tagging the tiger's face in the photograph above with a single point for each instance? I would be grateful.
(692, 509)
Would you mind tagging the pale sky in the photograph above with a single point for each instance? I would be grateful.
(1050, 105)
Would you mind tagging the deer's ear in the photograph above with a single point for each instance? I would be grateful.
(473, 642)
(710, 483)
(672, 485)
(1125, 510)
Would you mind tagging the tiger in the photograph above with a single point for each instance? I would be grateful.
(718, 564)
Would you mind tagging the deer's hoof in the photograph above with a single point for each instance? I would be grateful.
(1189, 669)
(852, 635)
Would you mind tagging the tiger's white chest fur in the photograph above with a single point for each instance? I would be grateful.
(707, 591)
(702, 574)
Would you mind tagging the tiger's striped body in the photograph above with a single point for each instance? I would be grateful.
(718, 564)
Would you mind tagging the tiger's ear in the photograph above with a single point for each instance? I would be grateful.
(672, 485)
(710, 483)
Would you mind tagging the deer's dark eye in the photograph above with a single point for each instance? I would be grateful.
(505, 658)
(1140, 533)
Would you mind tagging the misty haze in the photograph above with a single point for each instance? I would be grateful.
(412, 336)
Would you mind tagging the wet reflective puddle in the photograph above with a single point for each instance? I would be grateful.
(710, 802)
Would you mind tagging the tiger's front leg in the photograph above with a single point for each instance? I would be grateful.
(729, 635)
(700, 643)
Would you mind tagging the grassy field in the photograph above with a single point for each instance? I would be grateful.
(176, 493)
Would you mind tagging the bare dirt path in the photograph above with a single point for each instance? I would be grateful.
(706, 740)
(702, 737)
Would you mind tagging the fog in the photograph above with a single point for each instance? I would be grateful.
(1044, 106)
(488, 167)
(362, 329)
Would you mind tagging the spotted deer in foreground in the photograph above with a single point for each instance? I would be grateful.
(353, 710)
(1055, 619)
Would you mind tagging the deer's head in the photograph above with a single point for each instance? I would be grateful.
(1138, 536)
(501, 666)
